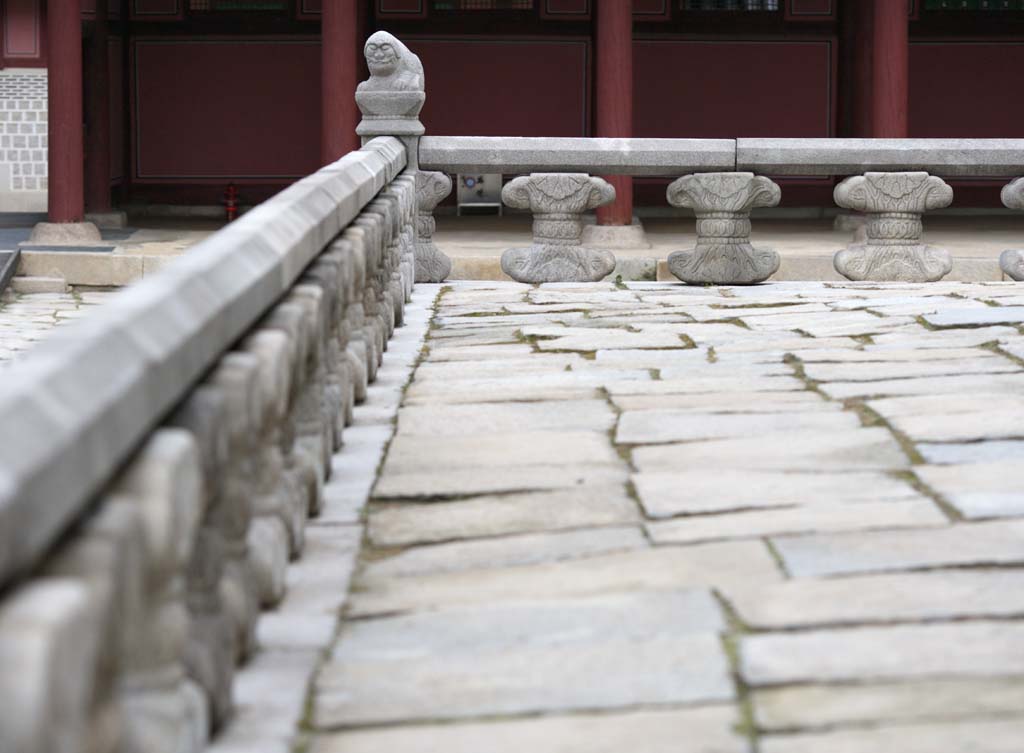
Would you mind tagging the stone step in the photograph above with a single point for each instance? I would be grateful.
(28, 284)
(804, 268)
(93, 268)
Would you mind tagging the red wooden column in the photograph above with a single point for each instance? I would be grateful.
(64, 37)
(890, 63)
(614, 79)
(97, 155)
(340, 50)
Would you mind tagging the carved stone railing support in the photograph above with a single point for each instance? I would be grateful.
(164, 711)
(557, 201)
(892, 251)
(1012, 260)
(210, 652)
(431, 264)
(723, 254)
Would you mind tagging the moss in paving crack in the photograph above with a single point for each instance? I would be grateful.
(941, 502)
(733, 320)
(799, 372)
(871, 417)
(746, 725)
(776, 556)
(875, 418)
(757, 305)
(995, 347)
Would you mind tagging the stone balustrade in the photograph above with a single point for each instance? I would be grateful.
(169, 452)
(890, 252)
(161, 459)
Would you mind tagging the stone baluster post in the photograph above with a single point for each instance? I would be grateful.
(164, 711)
(557, 201)
(892, 251)
(358, 334)
(300, 483)
(269, 535)
(318, 404)
(723, 254)
(50, 640)
(1012, 260)
(404, 187)
(387, 208)
(236, 377)
(431, 264)
(210, 652)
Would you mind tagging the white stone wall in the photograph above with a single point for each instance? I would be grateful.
(23, 140)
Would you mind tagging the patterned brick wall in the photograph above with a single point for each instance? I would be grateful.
(22, 139)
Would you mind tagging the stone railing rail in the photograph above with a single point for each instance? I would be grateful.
(996, 158)
(158, 460)
(892, 181)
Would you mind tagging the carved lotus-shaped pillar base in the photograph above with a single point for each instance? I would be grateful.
(546, 263)
(892, 250)
(557, 201)
(1012, 263)
(722, 203)
(431, 264)
(724, 264)
(918, 263)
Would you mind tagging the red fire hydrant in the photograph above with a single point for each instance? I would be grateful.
(231, 202)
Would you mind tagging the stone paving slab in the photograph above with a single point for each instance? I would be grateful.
(727, 565)
(405, 523)
(859, 449)
(663, 426)
(589, 675)
(936, 699)
(652, 517)
(493, 418)
(691, 492)
(507, 551)
(822, 517)
(706, 729)
(976, 544)
(985, 649)
(979, 490)
(889, 597)
(987, 736)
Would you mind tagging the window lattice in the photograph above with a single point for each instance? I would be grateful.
(235, 6)
(483, 4)
(974, 5)
(736, 6)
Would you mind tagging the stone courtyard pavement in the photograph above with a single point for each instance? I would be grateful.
(27, 318)
(653, 518)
